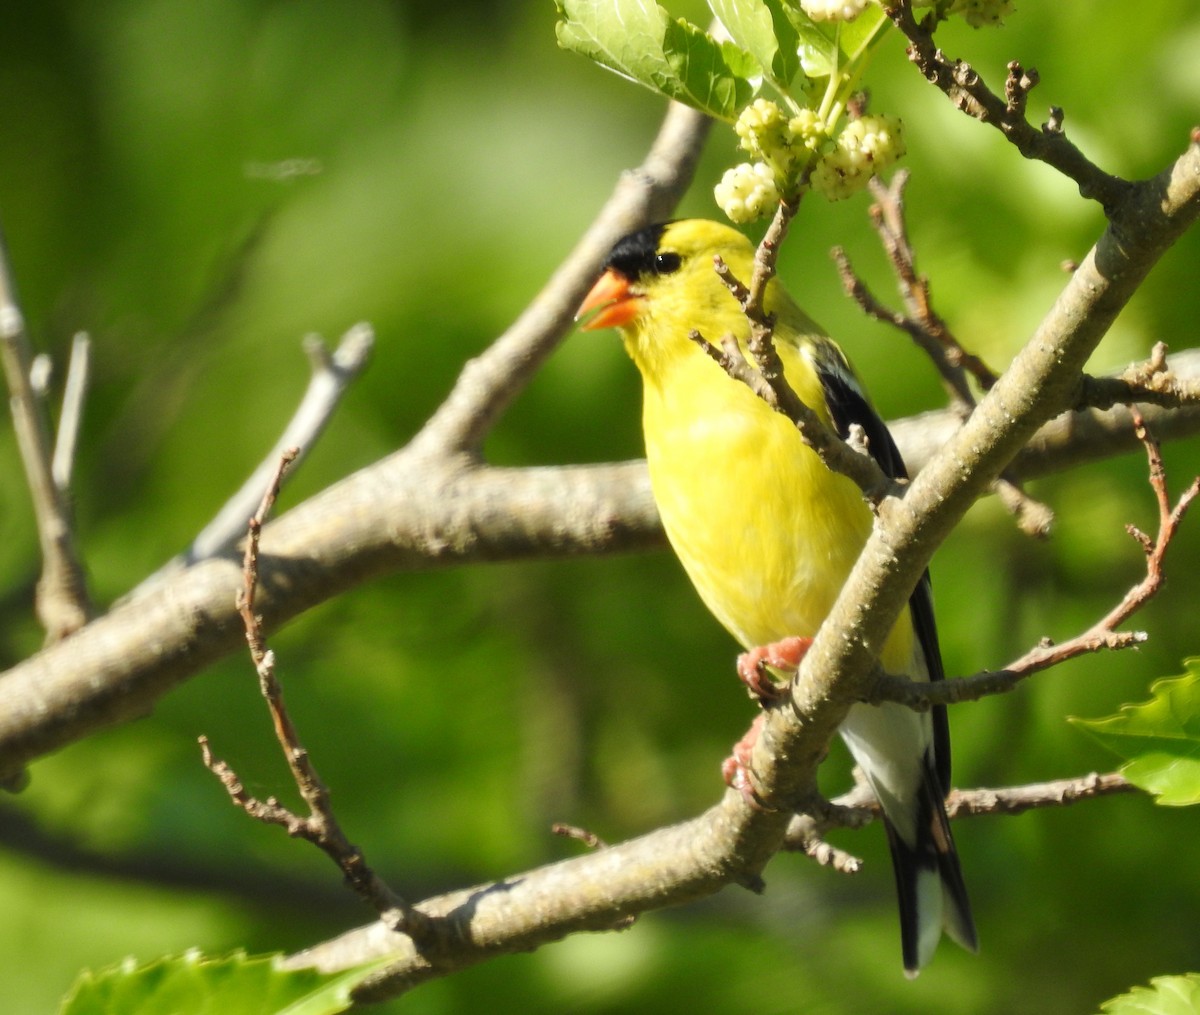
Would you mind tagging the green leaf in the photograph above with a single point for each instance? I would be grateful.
(816, 47)
(195, 984)
(1166, 995)
(1160, 739)
(828, 46)
(856, 35)
(641, 41)
(762, 29)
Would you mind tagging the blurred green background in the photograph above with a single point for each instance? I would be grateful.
(446, 157)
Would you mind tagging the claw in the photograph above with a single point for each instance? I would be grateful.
(785, 655)
(735, 769)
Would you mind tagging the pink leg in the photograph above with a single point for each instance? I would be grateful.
(780, 655)
(736, 768)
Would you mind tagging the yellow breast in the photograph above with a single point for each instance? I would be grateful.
(765, 531)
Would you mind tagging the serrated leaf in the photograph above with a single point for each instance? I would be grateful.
(761, 28)
(1166, 995)
(642, 42)
(196, 984)
(816, 48)
(1160, 739)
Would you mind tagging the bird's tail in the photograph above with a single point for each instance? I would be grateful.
(929, 881)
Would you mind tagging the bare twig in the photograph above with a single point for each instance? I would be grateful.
(589, 839)
(320, 826)
(969, 803)
(79, 371)
(969, 93)
(858, 808)
(1151, 382)
(332, 374)
(1103, 635)
(765, 377)
(954, 362)
(62, 602)
(930, 332)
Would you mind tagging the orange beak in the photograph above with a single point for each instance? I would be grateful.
(616, 304)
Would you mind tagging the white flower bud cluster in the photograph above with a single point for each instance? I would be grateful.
(867, 147)
(782, 148)
(833, 10)
(747, 192)
(762, 131)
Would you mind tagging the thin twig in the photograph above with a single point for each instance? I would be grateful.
(332, 374)
(320, 826)
(1101, 636)
(62, 602)
(929, 331)
(858, 808)
(1152, 382)
(70, 420)
(589, 839)
(970, 94)
(970, 803)
(926, 326)
(763, 371)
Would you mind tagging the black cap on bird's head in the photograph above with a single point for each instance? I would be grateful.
(635, 254)
(632, 257)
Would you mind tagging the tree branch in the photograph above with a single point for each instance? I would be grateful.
(489, 383)
(605, 888)
(320, 826)
(62, 601)
(858, 808)
(970, 94)
(413, 512)
(406, 515)
(430, 504)
(1100, 636)
(1043, 380)
(332, 374)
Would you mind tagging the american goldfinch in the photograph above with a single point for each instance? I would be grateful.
(768, 534)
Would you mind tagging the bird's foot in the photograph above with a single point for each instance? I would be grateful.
(735, 769)
(785, 655)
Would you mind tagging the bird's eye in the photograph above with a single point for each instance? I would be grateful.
(664, 264)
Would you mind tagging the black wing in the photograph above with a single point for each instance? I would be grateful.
(848, 405)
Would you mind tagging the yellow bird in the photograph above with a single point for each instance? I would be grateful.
(768, 534)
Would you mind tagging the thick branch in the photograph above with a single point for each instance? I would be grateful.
(427, 505)
(600, 890)
(603, 889)
(412, 511)
(406, 514)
